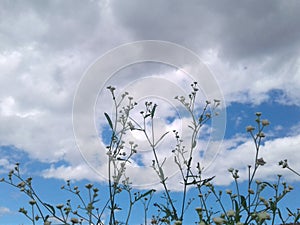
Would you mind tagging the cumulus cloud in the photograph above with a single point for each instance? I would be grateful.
(242, 42)
(44, 53)
(251, 48)
(239, 152)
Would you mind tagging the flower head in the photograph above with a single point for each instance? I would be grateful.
(250, 191)
(89, 186)
(32, 202)
(258, 114)
(249, 128)
(228, 191)
(265, 122)
(261, 134)
(230, 213)
(218, 220)
(230, 170)
(260, 162)
(199, 209)
(74, 220)
(263, 216)
(60, 206)
(283, 163)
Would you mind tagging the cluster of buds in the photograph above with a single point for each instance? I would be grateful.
(264, 201)
(260, 162)
(230, 213)
(283, 163)
(218, 220)
(260, 122)
(234, 172)
(262, 216)
(133, 147)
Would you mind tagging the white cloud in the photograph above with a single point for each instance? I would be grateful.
(5, 165)
(79, 172)
(41, 69)
(254, 80)
(247, 51)
(240, 156)
(237, 153)
(46, 47)
(4, 211)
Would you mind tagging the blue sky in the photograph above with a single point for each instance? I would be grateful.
(46, 49)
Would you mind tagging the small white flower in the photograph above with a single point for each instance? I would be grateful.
(263, 216)
(258, 182)
(265, 122)
(228, 191)
(231, 213)
(290, 188)
(261, 134)
(218, 220)
(249, 128)
(250, 191)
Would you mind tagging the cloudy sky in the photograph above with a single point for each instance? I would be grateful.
(47, 47)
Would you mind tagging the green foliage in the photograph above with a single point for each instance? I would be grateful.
(252, 206)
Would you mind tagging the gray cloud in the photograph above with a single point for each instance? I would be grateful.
(45, 47)
(238, 29)
(248, 42)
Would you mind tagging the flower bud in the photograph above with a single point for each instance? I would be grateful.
(258, 114)
(249, 128)
(265, 122)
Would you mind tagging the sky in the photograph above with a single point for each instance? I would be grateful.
(49, 49)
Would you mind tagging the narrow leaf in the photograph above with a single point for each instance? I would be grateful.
(289, 211)
(167, 212)
(108, 120)
(50, 208)
(236, 206)
(153, 111)
(237, 211)
(145, 194)
(280, 216)
(268, 184)
(194, 144)
(244, 202)
(161, 138)
(161, 173)
(205, 181)
(147, 115)
(191, 127)
(273, 206)
(297, 218)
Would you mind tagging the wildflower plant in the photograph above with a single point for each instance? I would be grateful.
(252, 207)
(89, 206)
